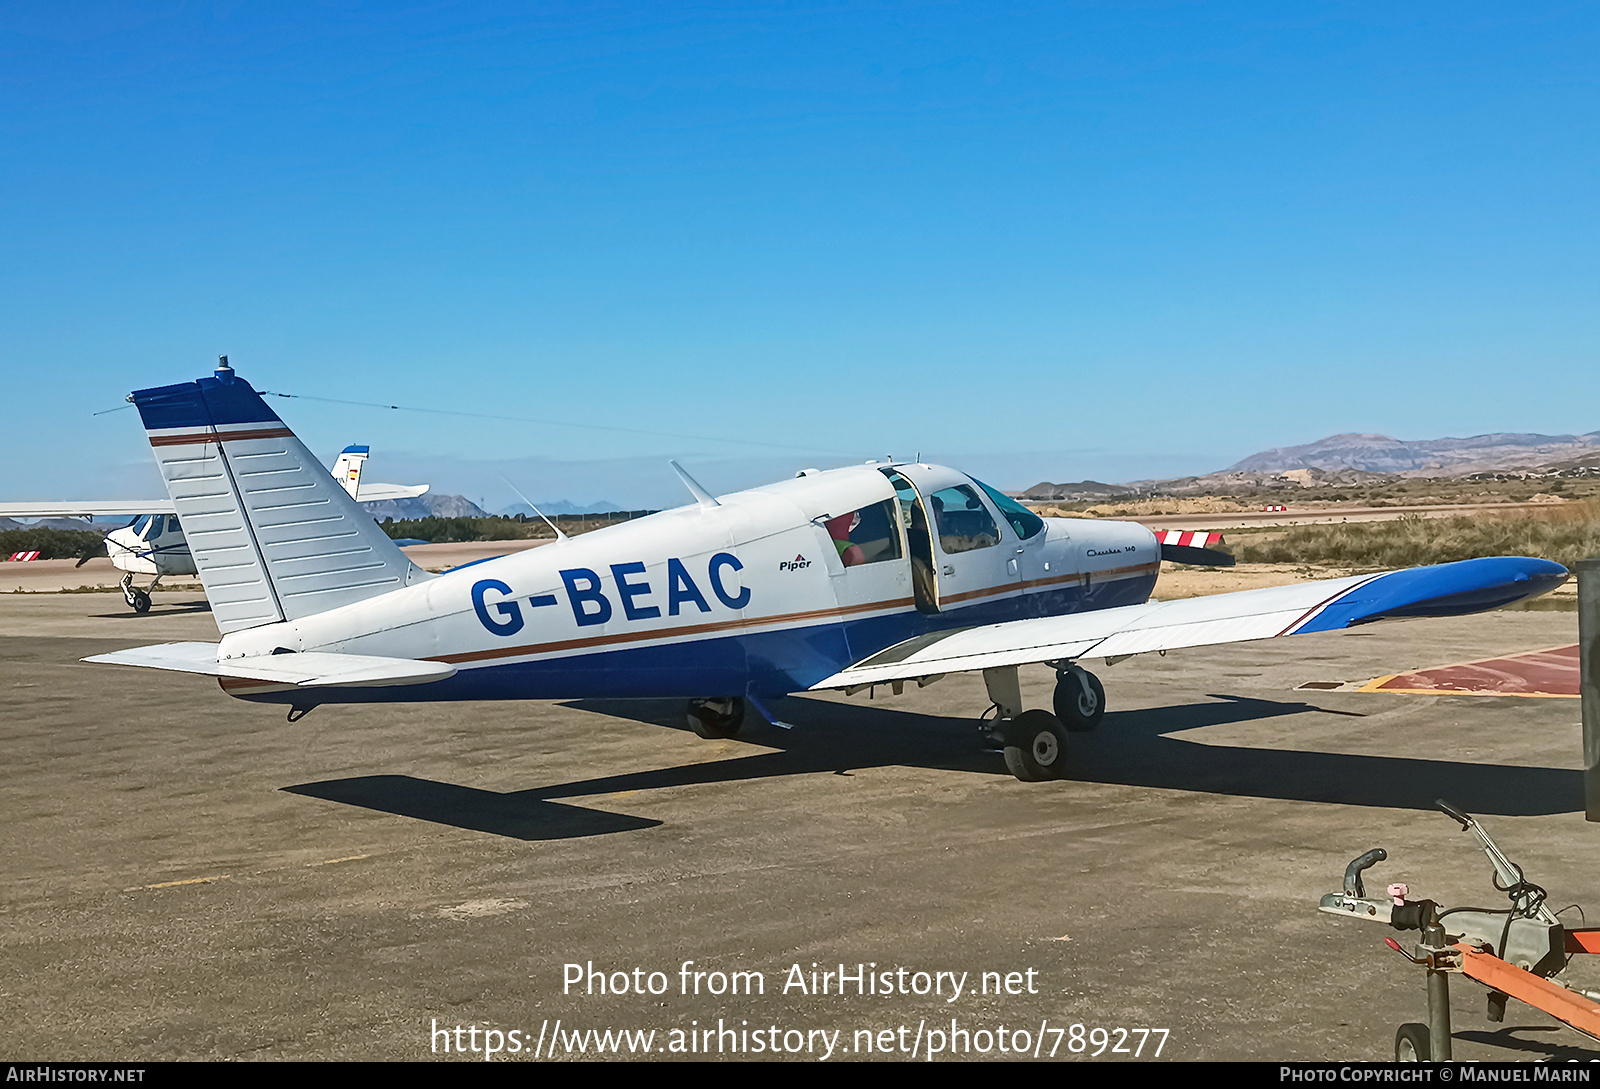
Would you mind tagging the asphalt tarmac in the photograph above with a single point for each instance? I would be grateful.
(191, 877)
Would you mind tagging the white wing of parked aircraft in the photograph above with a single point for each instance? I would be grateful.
(346, 470)
(88, 508)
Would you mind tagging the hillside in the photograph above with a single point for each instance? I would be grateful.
(1362, 462)
(1429, 457)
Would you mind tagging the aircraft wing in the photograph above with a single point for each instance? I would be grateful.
(314, 669)
(377, 493)
(1449, 589)
(132, 508)
(89, 508)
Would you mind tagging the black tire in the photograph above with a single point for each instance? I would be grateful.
(140, 602)
(1035, 747)
(1412, 1044)
(714, 719)
(1076, 710)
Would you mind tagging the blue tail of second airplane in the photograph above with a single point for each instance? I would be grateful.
(274, 536)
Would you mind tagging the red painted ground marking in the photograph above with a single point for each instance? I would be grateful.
(1549, 673)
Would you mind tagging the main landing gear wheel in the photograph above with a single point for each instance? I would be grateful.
(1080, 699)
(716, 718)
(1412, 1044)
(1035, 746)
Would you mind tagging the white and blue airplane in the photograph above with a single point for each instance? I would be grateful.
(880, 573)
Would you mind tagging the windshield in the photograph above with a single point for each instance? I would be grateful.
(1023, 520)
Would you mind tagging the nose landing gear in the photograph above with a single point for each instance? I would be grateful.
(138, 600)
(1080, 699)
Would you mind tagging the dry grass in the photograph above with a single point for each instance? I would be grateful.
(1565, 533)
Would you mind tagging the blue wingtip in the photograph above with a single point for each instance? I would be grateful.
(1446, 589)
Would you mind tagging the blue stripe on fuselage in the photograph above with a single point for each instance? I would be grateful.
(769, 663)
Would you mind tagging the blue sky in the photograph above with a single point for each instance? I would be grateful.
(1039, 241)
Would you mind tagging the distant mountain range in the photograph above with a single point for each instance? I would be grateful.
(1428, 457)
(1357, 458)
(456, 506)
(428, 505)
(560, 506)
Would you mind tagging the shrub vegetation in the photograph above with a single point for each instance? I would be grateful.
(52, 544)
(1565, 533)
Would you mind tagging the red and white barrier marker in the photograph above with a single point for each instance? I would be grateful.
(22, 557)
(1195, 538)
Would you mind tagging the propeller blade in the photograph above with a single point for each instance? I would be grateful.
(1198, 557)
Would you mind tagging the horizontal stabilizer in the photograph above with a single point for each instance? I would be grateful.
(313, 669)
(1448, 589)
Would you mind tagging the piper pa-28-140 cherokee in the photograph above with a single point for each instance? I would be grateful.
(874, 574)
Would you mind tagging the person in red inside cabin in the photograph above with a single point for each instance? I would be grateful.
(839, 529)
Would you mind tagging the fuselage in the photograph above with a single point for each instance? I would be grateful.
(765, 592)
(152, 544)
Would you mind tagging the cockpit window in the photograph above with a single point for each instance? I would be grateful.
(141, 524)
(963, 521)
(868, 535)
(1023, 520)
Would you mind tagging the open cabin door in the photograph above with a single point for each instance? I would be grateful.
(961, 554)
(912, 519)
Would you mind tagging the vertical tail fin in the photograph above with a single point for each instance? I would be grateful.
(274, 536)
(347, 470)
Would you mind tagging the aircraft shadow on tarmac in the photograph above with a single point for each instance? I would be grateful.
(1510, 1038)
(176, 608)
(1131, 748)
(519, 815)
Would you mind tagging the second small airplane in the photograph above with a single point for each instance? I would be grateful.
(154, 543)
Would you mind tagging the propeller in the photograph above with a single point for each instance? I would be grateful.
(91, 552)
